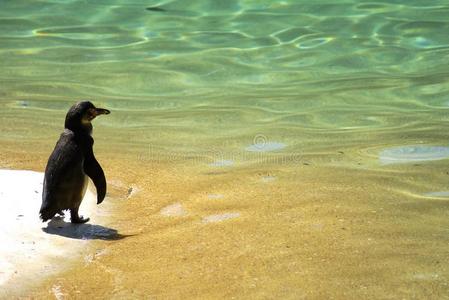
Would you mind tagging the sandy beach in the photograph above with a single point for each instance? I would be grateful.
(31, 250)
(197, 231)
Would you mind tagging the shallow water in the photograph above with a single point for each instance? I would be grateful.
(296, 112)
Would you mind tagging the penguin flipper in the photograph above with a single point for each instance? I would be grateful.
(93, 169)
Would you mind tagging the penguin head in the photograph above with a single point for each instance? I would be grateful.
(81, 114)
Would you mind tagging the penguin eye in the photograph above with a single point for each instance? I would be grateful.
(90, 114)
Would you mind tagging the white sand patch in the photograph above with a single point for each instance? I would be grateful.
(174, 210)
(91, 257)
(119, 189)
(220, 217)
(56, 289)
(426, 276)
(215, 196)
(30, 249)
(268, 178)
(222, 163)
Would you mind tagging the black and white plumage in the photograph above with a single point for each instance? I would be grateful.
(70, 163)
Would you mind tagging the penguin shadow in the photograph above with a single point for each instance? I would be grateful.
(58, 226)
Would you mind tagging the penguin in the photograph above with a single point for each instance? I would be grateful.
(70, 163)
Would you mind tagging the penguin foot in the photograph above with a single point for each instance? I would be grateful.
(79, 220)
(75, 218)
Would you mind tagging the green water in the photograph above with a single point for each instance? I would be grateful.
(226, 67)
(359, 87)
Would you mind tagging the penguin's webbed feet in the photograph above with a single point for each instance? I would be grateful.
(75, 218)
(79, 220)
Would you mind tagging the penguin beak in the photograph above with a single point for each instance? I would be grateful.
(94, 112)
(100, 111)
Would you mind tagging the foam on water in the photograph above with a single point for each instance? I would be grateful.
(268, 178)
(222, 163)
(412, 153)
(439, 194)
(265, 147)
